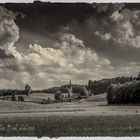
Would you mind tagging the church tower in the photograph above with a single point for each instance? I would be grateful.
(70, 83)
(70, 87)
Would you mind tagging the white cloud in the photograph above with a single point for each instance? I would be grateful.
(68, 59)
(45, 66)
(103, 36)
(9, 32)
(116, 16)
(123, 30)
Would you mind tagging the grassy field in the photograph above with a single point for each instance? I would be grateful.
(42, 95)
(34, 98)
(55, 126)
(89, 117)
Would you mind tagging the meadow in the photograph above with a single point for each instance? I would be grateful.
(55, 126)
(90, 117)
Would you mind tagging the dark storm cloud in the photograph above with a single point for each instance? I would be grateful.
(46, 18)
(43, 19)
(53, 41)
(50, 16)
(104, 44)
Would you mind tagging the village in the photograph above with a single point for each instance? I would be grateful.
(118, 90)
(57, 96)
(73, 106)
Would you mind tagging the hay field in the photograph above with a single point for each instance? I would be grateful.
(90, 117)
(93, 105)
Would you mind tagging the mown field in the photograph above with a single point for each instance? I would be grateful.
(89, 117)
(55, 126)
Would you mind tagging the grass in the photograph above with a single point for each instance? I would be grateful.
(55, 126)
(55, 120)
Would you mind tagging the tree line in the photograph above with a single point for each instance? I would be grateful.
(124, 93)
(101, 86)
(76, 88)
(9, 92)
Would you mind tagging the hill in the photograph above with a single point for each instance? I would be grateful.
(95, 98)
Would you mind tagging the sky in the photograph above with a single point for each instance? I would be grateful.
(46, 45)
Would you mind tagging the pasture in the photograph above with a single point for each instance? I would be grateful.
(89, 117)
(56, 126)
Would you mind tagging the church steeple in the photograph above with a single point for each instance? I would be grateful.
(70, 87)
(70, 83)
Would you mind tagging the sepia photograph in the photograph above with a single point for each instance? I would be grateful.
(69, 69)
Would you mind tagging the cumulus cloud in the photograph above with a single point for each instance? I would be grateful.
(107, 8)
(123, 28)
(68, 59)
(105, 36)
(116, 16)
(126, 31)
(69, 56)
(9, 32)
(38, 66)
(43, 66)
